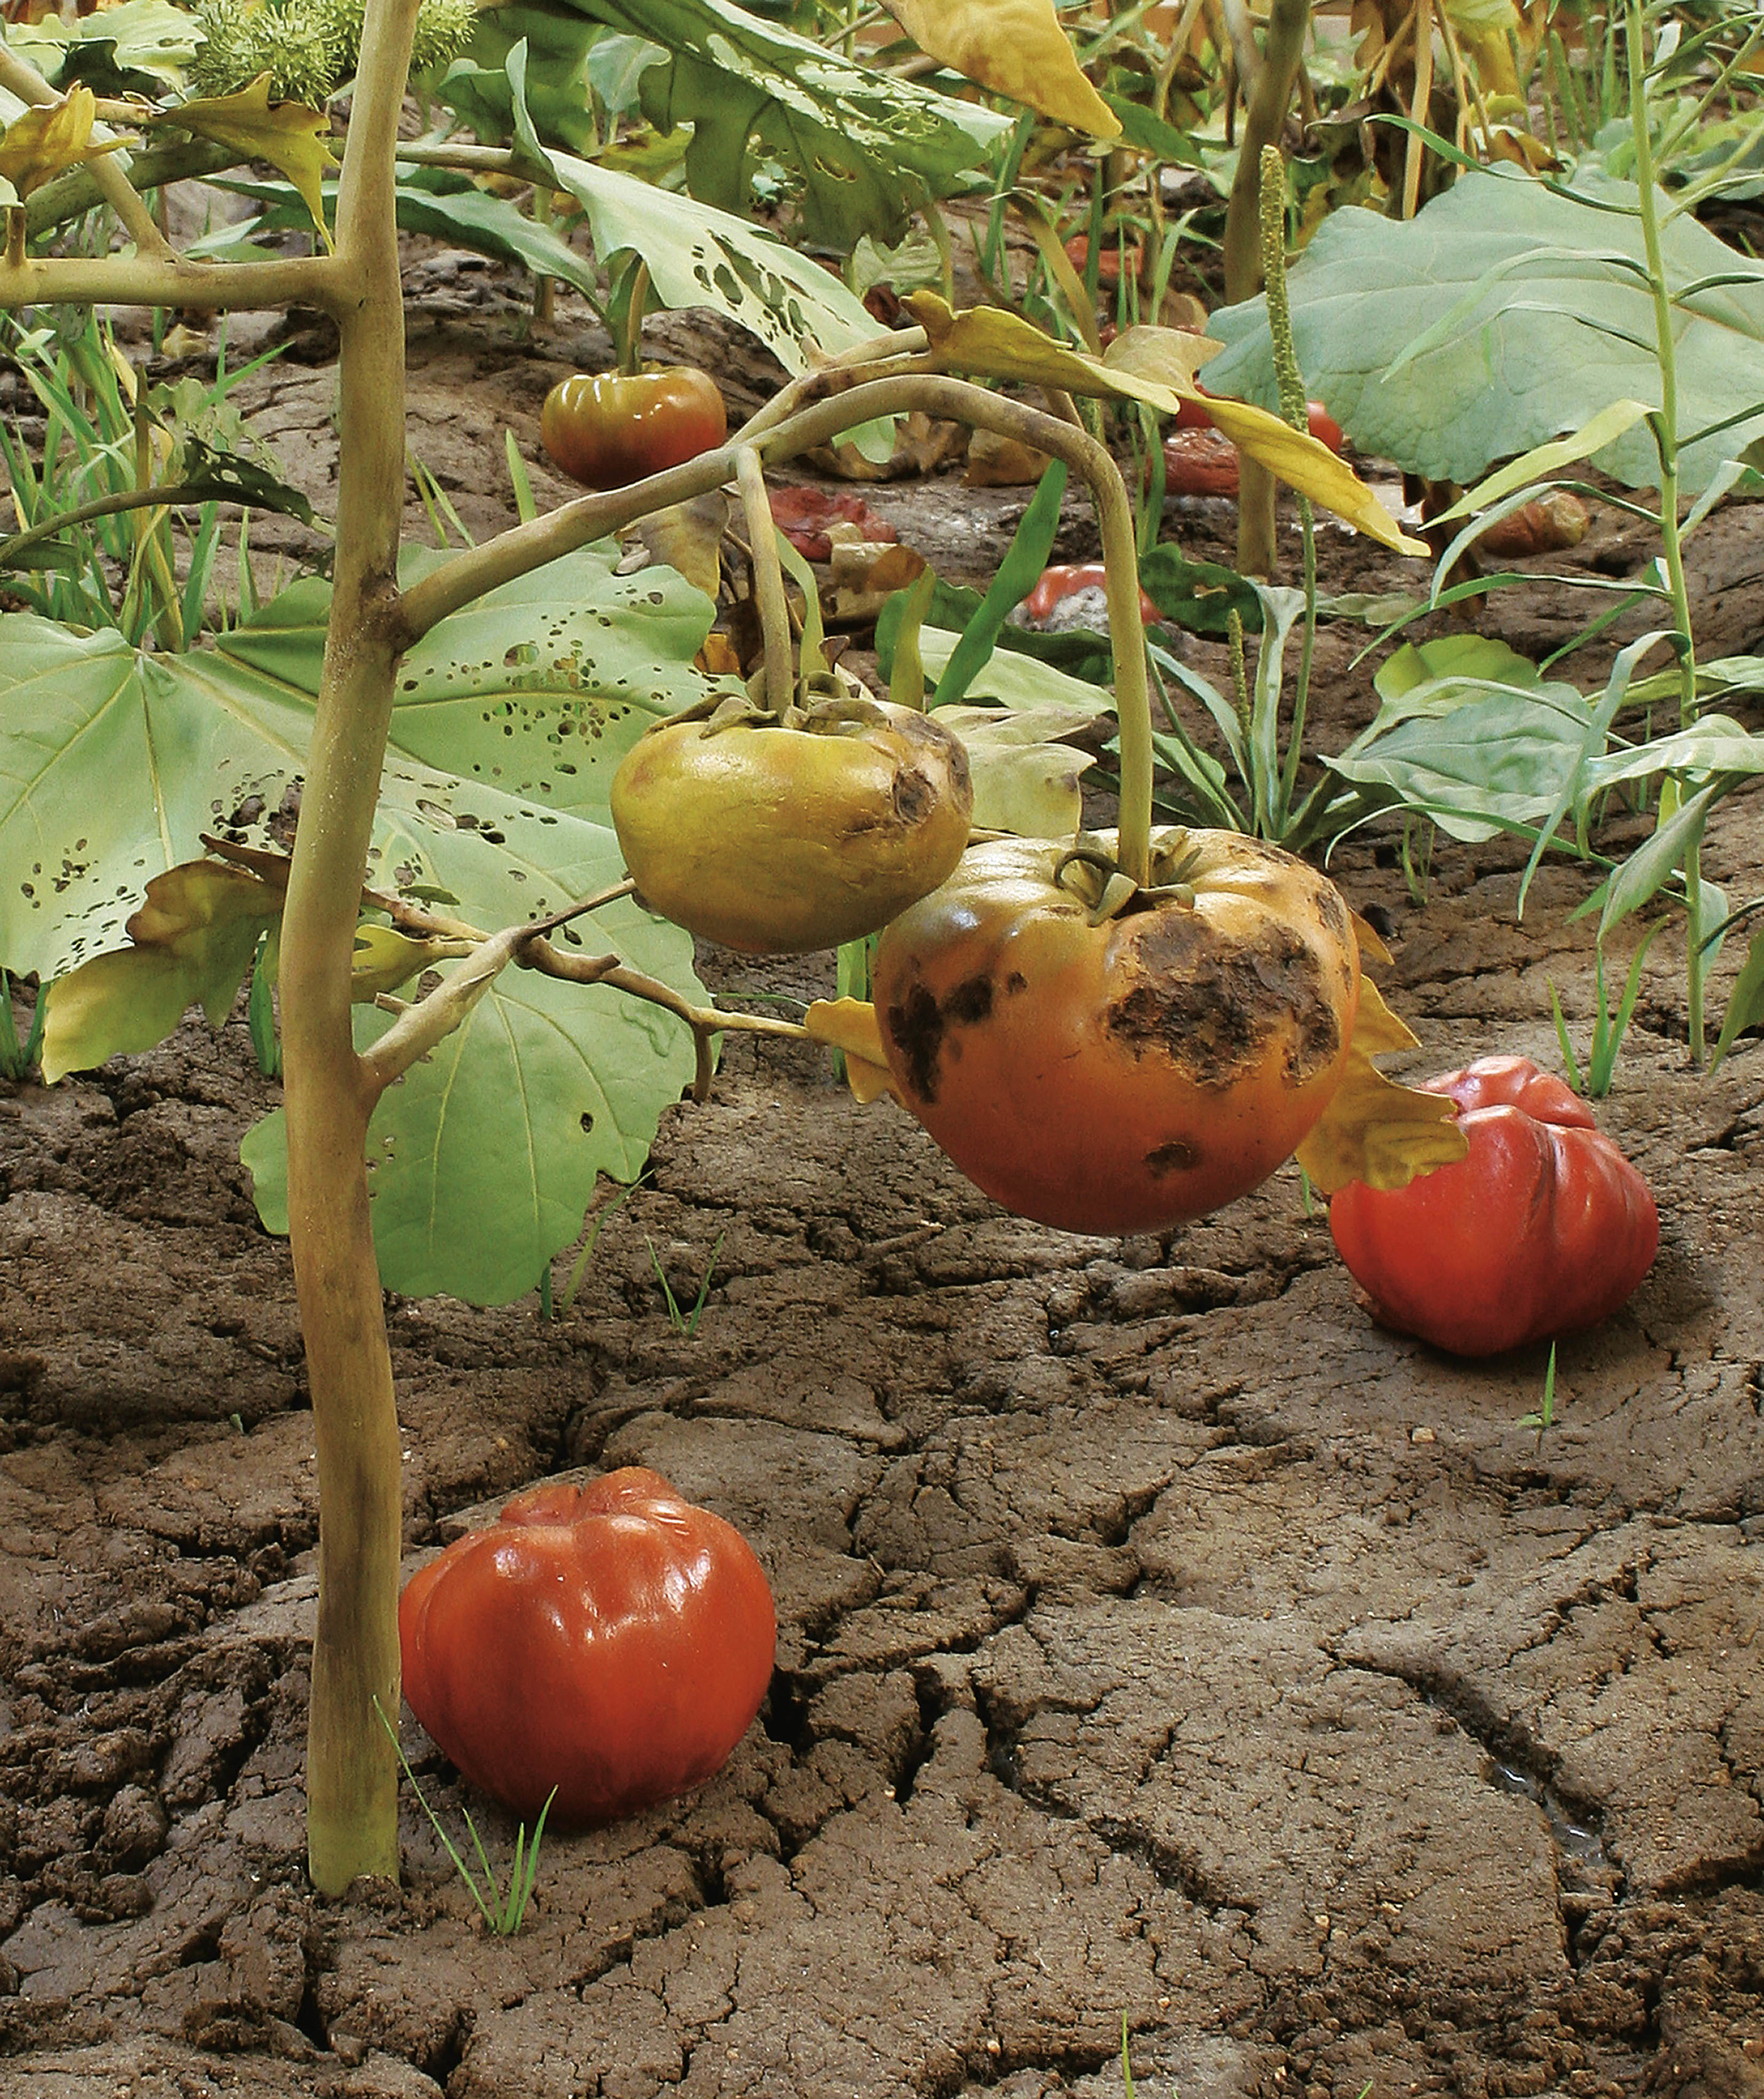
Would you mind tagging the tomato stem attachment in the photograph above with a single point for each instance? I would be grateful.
(768, 579)
(524, 548)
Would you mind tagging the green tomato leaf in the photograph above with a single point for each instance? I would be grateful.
(863, 150)
(482, 1160)
(1546, 322)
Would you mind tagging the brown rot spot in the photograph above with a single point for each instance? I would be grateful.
(1177, 1156)
(1016, 982)
(917, 1028)
(1217, 1008)
(914, 796)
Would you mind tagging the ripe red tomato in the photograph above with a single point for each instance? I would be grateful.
(607, 430)
(1059, 581)
(1125, 1076)
(777, 838)
(1543, 1228)
(611, 1640)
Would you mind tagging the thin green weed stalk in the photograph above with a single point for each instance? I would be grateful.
(1545, 1417)
(503, 1913)
(685, 1323)
(17, 1057)
(1609, 1026)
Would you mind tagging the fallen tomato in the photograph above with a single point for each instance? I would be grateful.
(607, 429)
(778, 837)
(1126, 1075)
(803, 516)
(611, 1640)
(1202, 461)
(1543, 1228)
(1058, 583)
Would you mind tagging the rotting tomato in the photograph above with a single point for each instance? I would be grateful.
(776, 837)
(1061, 582)
(607, 430)
(1125, 1076)
(1544, 1227)
(611, 1640)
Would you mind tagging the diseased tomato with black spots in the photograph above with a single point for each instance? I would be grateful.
(1125, 1076)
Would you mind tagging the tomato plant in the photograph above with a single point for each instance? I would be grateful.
(1125, 1075)
(1544, 1228)
(607, 430)
(777, 837)
(611, 1641)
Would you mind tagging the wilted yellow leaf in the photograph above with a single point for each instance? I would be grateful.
(288, 136)
(850, 1024)
(1374, 1129)
(41, 143)
(383, 960)
(1015, 47)
(989, 343)
(193, 939)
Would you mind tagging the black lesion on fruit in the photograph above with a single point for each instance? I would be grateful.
(1177, 1156)
(917, 1028)
(914, 796)
(1216, 1008)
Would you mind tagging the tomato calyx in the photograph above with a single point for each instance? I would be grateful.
(1106, 890)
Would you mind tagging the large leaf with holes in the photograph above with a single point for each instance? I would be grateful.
(113, 763)
(862, 150)
(1504, 314)
(701, 256)
(539, 688)
(482, 1159)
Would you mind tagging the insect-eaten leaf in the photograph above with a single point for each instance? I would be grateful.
(1015, 47)
(193, 940)
(1374, 1129)
(41, 143)
(850, 1024)
(988, 343)
(287, 136)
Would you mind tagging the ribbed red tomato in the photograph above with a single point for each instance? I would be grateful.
(607, 430)
(1545, 1227)
(611, 1640)
(1121, 1076)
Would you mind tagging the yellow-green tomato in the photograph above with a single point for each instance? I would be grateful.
(776, 839)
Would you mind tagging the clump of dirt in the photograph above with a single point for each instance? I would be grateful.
(1158, 1637)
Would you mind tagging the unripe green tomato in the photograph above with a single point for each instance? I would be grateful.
(778, 840)
(607, 429)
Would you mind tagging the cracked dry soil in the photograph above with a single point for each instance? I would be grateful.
(1158, 1637)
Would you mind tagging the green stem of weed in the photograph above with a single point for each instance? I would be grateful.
(1665, 430)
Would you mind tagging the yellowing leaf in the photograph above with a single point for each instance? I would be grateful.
(1374, 1129)
(1172, 356)
(193, 939)
(850, 1024)
(288, 136)
(42, 141)
(1015, 47)
(991, 344)
(383, 960)
(1024, 780)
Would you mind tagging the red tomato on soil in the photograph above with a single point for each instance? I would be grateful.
(607, 430)
(1544, 1228)
(611, 1640)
